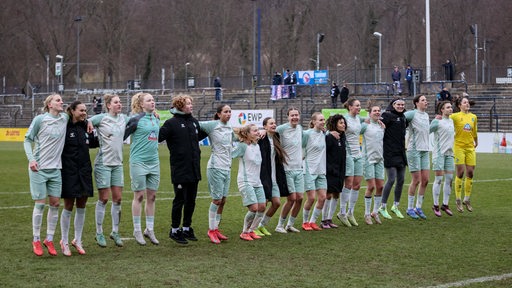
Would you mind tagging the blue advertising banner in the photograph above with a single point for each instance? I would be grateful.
(312, 77)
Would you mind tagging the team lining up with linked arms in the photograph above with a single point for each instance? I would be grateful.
(325, 162)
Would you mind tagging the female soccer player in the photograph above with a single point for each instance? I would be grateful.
(395, 159)
(336, 157)
(466, 140)
(218, 170)
(108, 166)
(76, 175)
(47, 132)
(248, 179)
(315, 181)
(373, 134)
(182, 135)
(354, 168)
(417, 154)
(291, 134)
(272, 175)
(144, 163)
(442, 156)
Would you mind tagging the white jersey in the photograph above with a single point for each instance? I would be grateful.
(444, 132)
(291, 140)
(249, 165)
(272, 157)
(110, 130)
(373, 147)
(221, 140)
(352, 135)
(314, 152)
(48, 133)
(417, 130)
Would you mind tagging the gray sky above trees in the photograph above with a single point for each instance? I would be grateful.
(118, 37)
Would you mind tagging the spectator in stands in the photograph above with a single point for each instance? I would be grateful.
(218, 89)
(445, 95)
(448, 70)
(98, 106)
(277, 80)
(344, 94)
(335, 91)
(396, 76)
(408, 77)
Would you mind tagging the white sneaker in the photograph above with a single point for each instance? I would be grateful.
(150, 234)
(65, 248)
(280, 229)
(292, 229)
(139, 238)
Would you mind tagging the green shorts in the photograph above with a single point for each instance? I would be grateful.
(295, 181)
(315, 181)
(443, 163)
(373, 170)
(218, 182)
(108, 176)
(45, 182)
(354, 166)
(418, 160)
(275, 190)
(251, 195)
(145, 176)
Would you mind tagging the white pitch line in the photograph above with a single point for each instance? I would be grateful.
(474, 280)
(208, 194)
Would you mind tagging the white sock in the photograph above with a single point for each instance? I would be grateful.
(136, 223)
(447, 188)
(212, 212)
(305, 215)
(218, 217)
(281, 221)
(264, 221)
(410, 202)
(37, 221)
(248, 219)
(150, 222)
(116, 216)
(345, 197)
(99, 214)
(256, 221)
(316, 213)
(367, 205)
(419, 201)
(353, 199)
(466, 198)
(377, 201)
(65, 222)
(325, 210)
(436, 189)
(291, 221)
(79, 224)
(383, 205)
(53, 219)
(332, 209)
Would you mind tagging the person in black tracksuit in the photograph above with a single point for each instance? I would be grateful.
(182, 135)
(273, 190)
(395, 159)
(336, 164)
(76, 174)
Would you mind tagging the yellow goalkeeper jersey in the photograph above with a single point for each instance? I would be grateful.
(465, 125)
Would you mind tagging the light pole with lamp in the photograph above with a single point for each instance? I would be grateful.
(186, 74)
(77, 21)
(338, 73)
(379, 35)
(59, 67)
(474, 30)
(319, 39)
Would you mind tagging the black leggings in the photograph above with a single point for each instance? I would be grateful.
(184, 200)
(393, 173)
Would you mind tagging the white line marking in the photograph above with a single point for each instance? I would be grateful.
(474, 280)
(208, 194)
